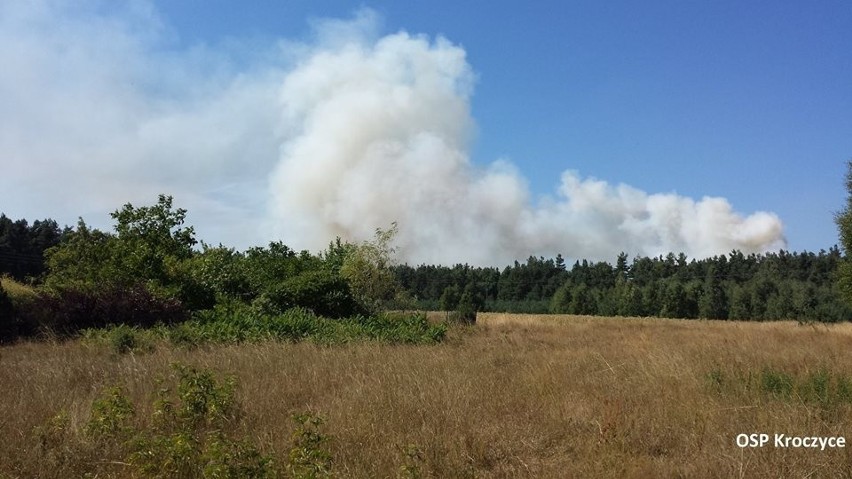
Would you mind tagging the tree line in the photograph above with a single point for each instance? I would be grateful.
(782, 285)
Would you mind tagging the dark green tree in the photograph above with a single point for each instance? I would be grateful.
(470, 302)
(713, 303)
(583, 300)
(449, 300)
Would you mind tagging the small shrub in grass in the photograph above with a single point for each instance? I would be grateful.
(309, 458)
(716, 378)
(817, 387)
(54, 432)
(183, 334)
(776, 383)
(190, 433)
(414, 459)
(122, 339)
(111, 414)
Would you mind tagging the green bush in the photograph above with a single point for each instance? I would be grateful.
(776, 383)
(190, 433)
(309, 457)
(111, 414)
(320, 291)
(237, 324)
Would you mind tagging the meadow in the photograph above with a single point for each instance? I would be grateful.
(512, 396)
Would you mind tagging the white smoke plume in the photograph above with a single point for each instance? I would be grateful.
(379, 132)
(99, 105)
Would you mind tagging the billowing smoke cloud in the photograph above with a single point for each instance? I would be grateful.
(379, 133)
(99, 105)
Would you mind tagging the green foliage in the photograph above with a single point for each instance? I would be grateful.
(16, 310)
(22, 247)
(309, 457)
(121, 339)
(776, 383)
(149, 248)
(320, 291)
(367, 269)
(713, 303)
(111, 415)
(819, 387)
(449, 298)
(414, 459)
(221, 271)
(469, 303)
(85, 257)
(778, 285)
(233, 325)
(561, 301)
(190, 437)
(583, 300)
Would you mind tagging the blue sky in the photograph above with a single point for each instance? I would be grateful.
(749, 101)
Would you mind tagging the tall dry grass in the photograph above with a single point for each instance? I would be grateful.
(514, 396)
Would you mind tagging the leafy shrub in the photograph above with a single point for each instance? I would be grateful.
(122, 339)
(309, 457)
(189, 436)
(68, 311)
(777, 383)
(237, 324)
(189, 432)
(320, 291)
(110, 415)
(414, 459)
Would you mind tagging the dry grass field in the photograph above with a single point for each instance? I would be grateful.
(513, 396)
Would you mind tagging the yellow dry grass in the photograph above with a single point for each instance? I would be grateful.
(17, 291)
(514, 396)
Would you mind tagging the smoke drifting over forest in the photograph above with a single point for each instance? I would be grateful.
(379, 134)
(307, 141)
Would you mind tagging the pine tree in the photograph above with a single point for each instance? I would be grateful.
(713, 303)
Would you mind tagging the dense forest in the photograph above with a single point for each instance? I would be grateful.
(780, 285)
(151, 270)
